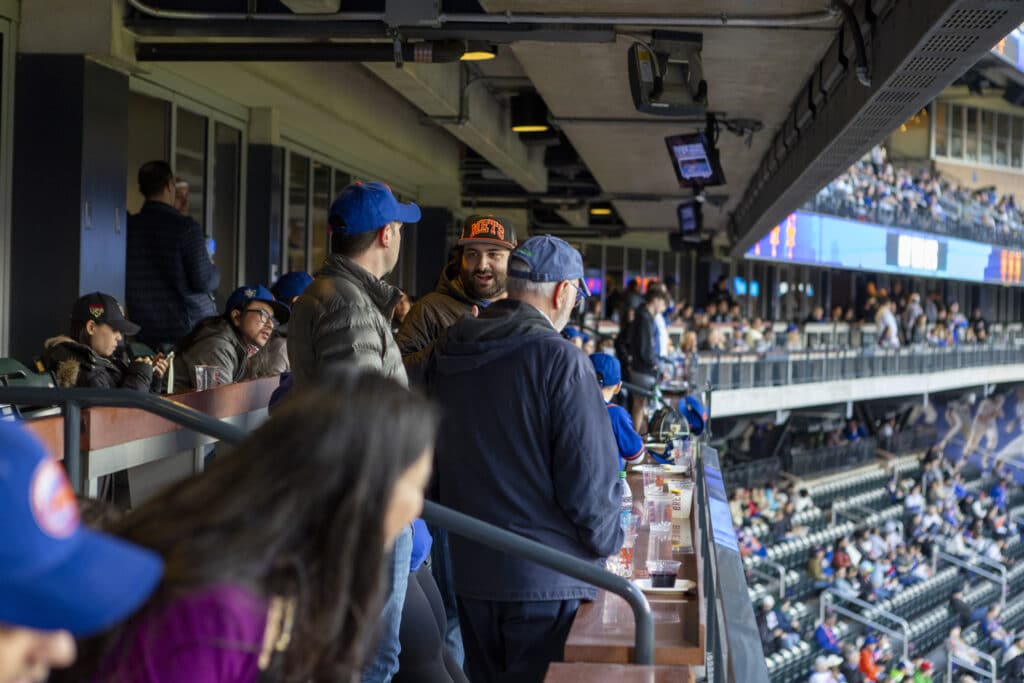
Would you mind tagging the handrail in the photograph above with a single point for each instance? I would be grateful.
(781, 578)
(999, 578)
(73, 399)
(827, 602)
(969, 665)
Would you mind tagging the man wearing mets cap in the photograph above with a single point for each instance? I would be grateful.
(478, 278)
(344, 317)
(57, 579)
(526, 444)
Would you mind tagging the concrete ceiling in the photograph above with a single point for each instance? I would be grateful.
(751, 73)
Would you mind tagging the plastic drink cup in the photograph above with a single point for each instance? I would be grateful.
(207, 377)
(660, 512)
(663, 573)
(626, 554)
(654, 477)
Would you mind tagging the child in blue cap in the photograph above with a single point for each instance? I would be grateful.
(609, 376)
(58, 580)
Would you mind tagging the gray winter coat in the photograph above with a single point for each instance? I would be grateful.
(213, 342)
(344, 317)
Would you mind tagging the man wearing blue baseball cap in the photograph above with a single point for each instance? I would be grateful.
(526, 445)
(229, 342)
(344, 317)
(58, 580)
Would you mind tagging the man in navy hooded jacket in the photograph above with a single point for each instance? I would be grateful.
(526, 445)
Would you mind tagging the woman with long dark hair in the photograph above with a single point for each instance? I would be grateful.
(275, 555)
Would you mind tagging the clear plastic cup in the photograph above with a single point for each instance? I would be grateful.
(659, 512)
(207, 377)
(654, 477)
(663, 573)
(626, 554)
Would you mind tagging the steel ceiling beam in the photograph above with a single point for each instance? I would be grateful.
(916, 49)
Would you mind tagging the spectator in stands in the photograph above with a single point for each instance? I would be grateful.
(500, 465)
(914, 502)
(823, 669)
(343, 318)
(644, 370)
(169, 276)
(720, 292)
(476, 280)
(888, 328)
(868, 664)
(854, 431)
(1013, 666)
(825, 635)
(230, 341)
(277, 554)
(918, 334)
(93, 356)
(958, 646)
(817, 315)
(609, 377)
(273, 360)
(850, 667)
(993, 628)
(816, 568)
(803, 501)
(776, 631)
(60, 581)
(979, 325)
(910, 315)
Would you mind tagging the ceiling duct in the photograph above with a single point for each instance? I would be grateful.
(426, 52)
(312, 6)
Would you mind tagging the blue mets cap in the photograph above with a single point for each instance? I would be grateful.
(291, 285)
(246, 294)
(55, 574)
(608, 369)
(548, 259)
(365, 207)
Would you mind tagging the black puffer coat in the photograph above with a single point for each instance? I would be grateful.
(77, 365)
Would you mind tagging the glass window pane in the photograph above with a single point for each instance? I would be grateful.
(632, 264)
(227, 172)
(1003, 140)
(190, 163)
(321, 203)
(971, 135)
(298, 194)
(149, 134)
(987, 133)
(956, 140)
(1016, 141)
(941, 128)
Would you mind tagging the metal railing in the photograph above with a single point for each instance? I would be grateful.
(73, 400)
(971, 564)
(749, 370)
(828, 602)
(953, 658)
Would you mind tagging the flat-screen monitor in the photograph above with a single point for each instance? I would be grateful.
(691, 217)
(595, 285)
(694, 160)
(739, 286)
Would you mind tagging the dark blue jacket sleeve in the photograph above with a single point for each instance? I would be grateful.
(201, 274)
(585, 460)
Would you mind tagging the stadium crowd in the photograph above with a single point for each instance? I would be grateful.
(875, 191)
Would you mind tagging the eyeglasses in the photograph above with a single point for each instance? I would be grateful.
(264, 316)
(579, 291)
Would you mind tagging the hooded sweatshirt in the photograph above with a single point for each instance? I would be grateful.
(525, 445)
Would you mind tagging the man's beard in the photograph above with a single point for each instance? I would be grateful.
(483, 293)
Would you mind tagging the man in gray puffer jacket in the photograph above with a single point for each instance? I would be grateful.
(477, 279)
(344, 317)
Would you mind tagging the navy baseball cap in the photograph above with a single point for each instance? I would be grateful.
(55, 574)
(549, 259)
(291, 285)
(365, 207)
(608, 369)
(246, 294)
(103, 308)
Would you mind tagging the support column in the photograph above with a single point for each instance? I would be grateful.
(264, 214)
(68, 212)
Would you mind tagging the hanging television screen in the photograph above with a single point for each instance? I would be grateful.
(694, 161)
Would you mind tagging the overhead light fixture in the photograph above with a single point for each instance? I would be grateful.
(529, 113)
(478, 51)
(600, 211)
